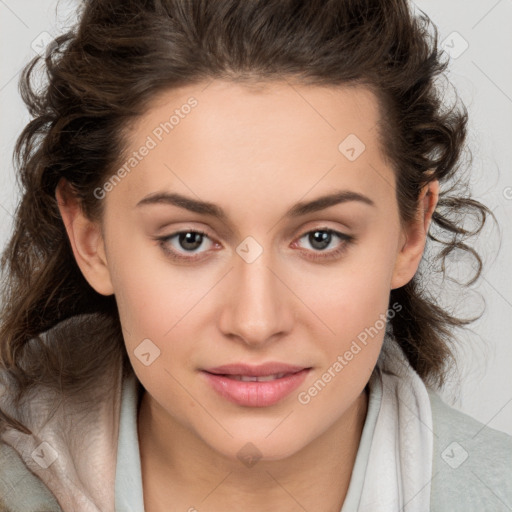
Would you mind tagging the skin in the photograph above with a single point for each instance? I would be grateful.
(255, 152)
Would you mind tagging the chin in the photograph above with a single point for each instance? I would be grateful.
(259, 448)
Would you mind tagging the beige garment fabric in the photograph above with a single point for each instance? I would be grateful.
(74, 443)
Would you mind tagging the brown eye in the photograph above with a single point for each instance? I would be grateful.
(322, 238)
(178, 244)
(190, 242)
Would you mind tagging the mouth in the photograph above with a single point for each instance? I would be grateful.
(255, 386)
(270, 369)
(255, 378)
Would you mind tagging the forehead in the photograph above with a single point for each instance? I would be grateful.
(209, 138)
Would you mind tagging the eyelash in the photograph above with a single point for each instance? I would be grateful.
(163, 242)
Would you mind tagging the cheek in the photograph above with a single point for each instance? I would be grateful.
(151, 294)
(156, 327)
(354, 306)
(159, 306)
(356, 318)
(354, 294)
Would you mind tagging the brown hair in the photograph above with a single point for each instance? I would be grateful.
(105, 71)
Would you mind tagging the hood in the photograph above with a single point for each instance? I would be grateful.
(73, 446)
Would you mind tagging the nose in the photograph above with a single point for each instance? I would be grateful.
(258, 307)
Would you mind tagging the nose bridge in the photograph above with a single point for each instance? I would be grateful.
(257, 307)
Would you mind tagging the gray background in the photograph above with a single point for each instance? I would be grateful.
(478, 37)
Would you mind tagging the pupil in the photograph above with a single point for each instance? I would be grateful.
(321, 237)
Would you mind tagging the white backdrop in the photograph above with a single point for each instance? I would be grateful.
(477, 35)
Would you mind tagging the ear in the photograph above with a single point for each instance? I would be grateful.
(414, 236)
(86, 240)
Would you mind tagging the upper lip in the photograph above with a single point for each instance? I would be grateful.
(260, 370)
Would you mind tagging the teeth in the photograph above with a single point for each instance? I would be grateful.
(251, 378)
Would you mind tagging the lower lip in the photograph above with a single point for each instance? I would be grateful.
(256, 394)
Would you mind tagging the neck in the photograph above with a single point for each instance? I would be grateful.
(179, 468)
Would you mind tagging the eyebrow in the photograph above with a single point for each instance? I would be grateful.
(213, 210)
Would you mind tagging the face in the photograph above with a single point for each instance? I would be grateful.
(262, 274)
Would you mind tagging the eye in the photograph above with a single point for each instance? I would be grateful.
(322, 238)
(187, 241)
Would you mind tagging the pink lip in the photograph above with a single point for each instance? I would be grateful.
(255, 394)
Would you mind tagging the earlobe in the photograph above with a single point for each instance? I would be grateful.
(85, 238)
(414, 237)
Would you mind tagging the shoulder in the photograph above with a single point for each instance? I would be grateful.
(472, 463)
(20, 489)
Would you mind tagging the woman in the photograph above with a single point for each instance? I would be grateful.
(213, 298)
